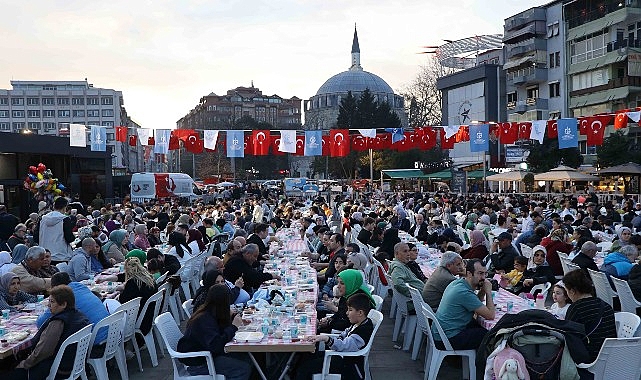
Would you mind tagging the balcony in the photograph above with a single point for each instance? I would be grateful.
(534, 14)
(612, 84)
(529, 75)
(529, 31)
(610, 13)
(519, 50)
(530, 104)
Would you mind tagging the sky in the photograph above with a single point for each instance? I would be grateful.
(165, 55)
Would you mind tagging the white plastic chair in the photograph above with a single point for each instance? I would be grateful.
(403, 318)
(571, 266)
(602, 286)
(543, 288)
(81, 339)
(526, 250)
(423, 326)
(377, 318)
(171, 334)
(379, 301)
(188, 308)
(114, 346)
(618, 358)
(156, 299)
(131, 309)
(371, 288)
(170, 302)
(564, 264)
(604, 246)
(162, 278)
(627, 324)
(626, 297)
(434, 357)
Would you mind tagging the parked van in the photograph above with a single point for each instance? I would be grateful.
(145, 186)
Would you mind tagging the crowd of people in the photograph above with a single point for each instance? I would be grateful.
(57, 248)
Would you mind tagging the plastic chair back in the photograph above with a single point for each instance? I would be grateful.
(526, 250)
(542, 288)
(602, 286)
(417, 299)
(81, 339)
(187, 307)
(627, 324)
(618, 358)
(131, 310)
(156, 299)
(379, 301)
(115, 323)
(162, 278)
(628, 302)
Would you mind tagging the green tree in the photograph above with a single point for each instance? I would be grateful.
(546, 156)
(367, 111)
(347, 112)
(617, 149)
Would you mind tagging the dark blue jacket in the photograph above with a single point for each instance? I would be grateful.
(204, 334)
(74, 321)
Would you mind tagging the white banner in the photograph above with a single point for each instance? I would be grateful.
(210, 139)
(77, 135)
(143, 135)
(287, 142)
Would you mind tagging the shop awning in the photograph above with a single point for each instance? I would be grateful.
(405, 173)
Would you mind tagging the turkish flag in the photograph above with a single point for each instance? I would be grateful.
(133, 140)
(248, 144)
(596, 129)
(584, 124)
(382, 141)
(300, 146)
(260, 142)
(621, 120)
(274, 143)
(525, 128)
(151, 141)
(360, 143)
(463, 134)
(408, 143)
(553, 129)
(326, 146)
(339, 139)
(447, 143)
(495, 130)
(508, 133)
(182, 134)
(426, 138)
(193, 143)
(174, 142)
(121, 134)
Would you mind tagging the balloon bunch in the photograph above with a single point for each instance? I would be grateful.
(42, 184)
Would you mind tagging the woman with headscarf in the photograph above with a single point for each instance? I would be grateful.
(390, 238)
(195, 241)
(115, 249)
(350, 281)
(179, 247)
(138, 283)
(214, 277)
(357, 260)
(5, 262)
(478, 247)
(538, 272)
(141, 241)
(623, 239)
(402, 223)
(11, 297)
(472, 218)
(19, 253)
(556, 242)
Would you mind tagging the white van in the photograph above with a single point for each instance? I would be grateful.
(145, 186)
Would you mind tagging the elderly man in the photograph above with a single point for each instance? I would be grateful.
(585, 257)
(459, 304)
(241, 265)
(451, 266)
(419, 229)
(29, 272)
(401, 273)
(79, 267)
(618, 264)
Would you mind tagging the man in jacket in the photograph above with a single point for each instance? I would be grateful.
(80, 264)
(450, 267)
(241, 265)
(401, 273)
(54, 232)
(502, 253)
(8, 223)
(29, 272)
(419, 230)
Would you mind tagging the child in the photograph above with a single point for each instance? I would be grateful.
(561, 301)
(352, 339)
(326, 300)
(514, 276)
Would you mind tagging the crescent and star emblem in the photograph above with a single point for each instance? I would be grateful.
(258, 137)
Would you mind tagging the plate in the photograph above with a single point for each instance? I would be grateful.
(248, 336)
(25, 320)
(16, 336)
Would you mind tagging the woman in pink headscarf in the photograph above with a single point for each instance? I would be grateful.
(478, 248)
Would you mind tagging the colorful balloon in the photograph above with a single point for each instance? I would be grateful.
(33, 169)
(41, 167)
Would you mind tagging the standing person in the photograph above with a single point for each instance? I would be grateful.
(459, 304)
(8, 223)
(54, 232)
(209, 329)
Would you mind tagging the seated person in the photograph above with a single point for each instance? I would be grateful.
(561, 301)
(354, 338)
(81, 266)
(413, 265)
(209, 329)
(326, 295)
(502, 254)
(139, 283)
(241, 266)
(401, 273)
(585, 258)
(214, 277)
(350, 282)
(618, 264)
(511, 279)
(169, 263)
(450, 267)
(64, 322)
(29, 272)
(11, 297)
(538, 272)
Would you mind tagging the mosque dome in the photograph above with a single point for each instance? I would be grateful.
(355, 81)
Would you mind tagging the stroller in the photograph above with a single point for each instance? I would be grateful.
(549, 347)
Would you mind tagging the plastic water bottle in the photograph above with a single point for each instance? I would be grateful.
(287, 336)
(540, 301)
(265, 327)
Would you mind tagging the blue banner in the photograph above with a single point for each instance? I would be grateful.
(397, 134)
(313, 143)
(98, 138)
(568, 134)
(235, 143)
(479, 137)
(161, 142)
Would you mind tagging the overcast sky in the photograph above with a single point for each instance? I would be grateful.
(165, 55)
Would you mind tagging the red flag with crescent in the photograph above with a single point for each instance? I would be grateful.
(121, 134)
(300, 145)
(274, 143)
(260, 142)
(248, 144)
(621, 120)
(133, 140)
(182, 134)
(151, 141)
(596, 129)
(339, 142)
(174, 143)
(553, 129)
(193, 143)
(445, 142)
(359, 143)
(508, 133)
(525, 128)
(463, 134)
(426, 138)
(584, 125)
(327, 143)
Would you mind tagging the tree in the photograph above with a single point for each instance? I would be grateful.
(347, 112)
(546, 156)
(617, 149)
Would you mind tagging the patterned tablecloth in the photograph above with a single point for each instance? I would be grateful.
(429, 262)
(501, 299)
(18, 332)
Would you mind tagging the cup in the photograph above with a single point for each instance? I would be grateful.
(5, 314)
(303, 319)
(494, 296)
(510, 306)
(294, 330)
(41, 297)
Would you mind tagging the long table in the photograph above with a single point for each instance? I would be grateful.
(501, 299)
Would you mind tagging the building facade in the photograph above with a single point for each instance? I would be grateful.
(48, 107)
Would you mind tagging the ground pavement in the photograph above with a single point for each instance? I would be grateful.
(386, 362)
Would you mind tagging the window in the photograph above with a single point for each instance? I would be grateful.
(93, 101)
(63, 101)
(49, 113)
(33, 101)
(34, 125)
(4, 113)
(49, 126)
(107, 100)
(64, 113)
(554, 115)
(511, 97)
(49, 88)
(111, 136)
(107, 123)
(555, 59)
(33, 113)
(77, 101)
(47, 101)
(590, 79)
(17, 101)
(18, 126)
(553, 29)
(589, 47)
(5, 127)
(17, 114)
(93, 113)
(78, 113)
(555, 89)
(3, 101)
(107, 113)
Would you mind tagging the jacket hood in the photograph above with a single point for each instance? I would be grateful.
(79, 251)
(53, 218)
(615, 257)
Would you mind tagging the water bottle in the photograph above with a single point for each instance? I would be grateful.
(265, 327)
(540, 301)
(287, 336)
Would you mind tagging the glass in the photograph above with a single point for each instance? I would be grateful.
(5, 314)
